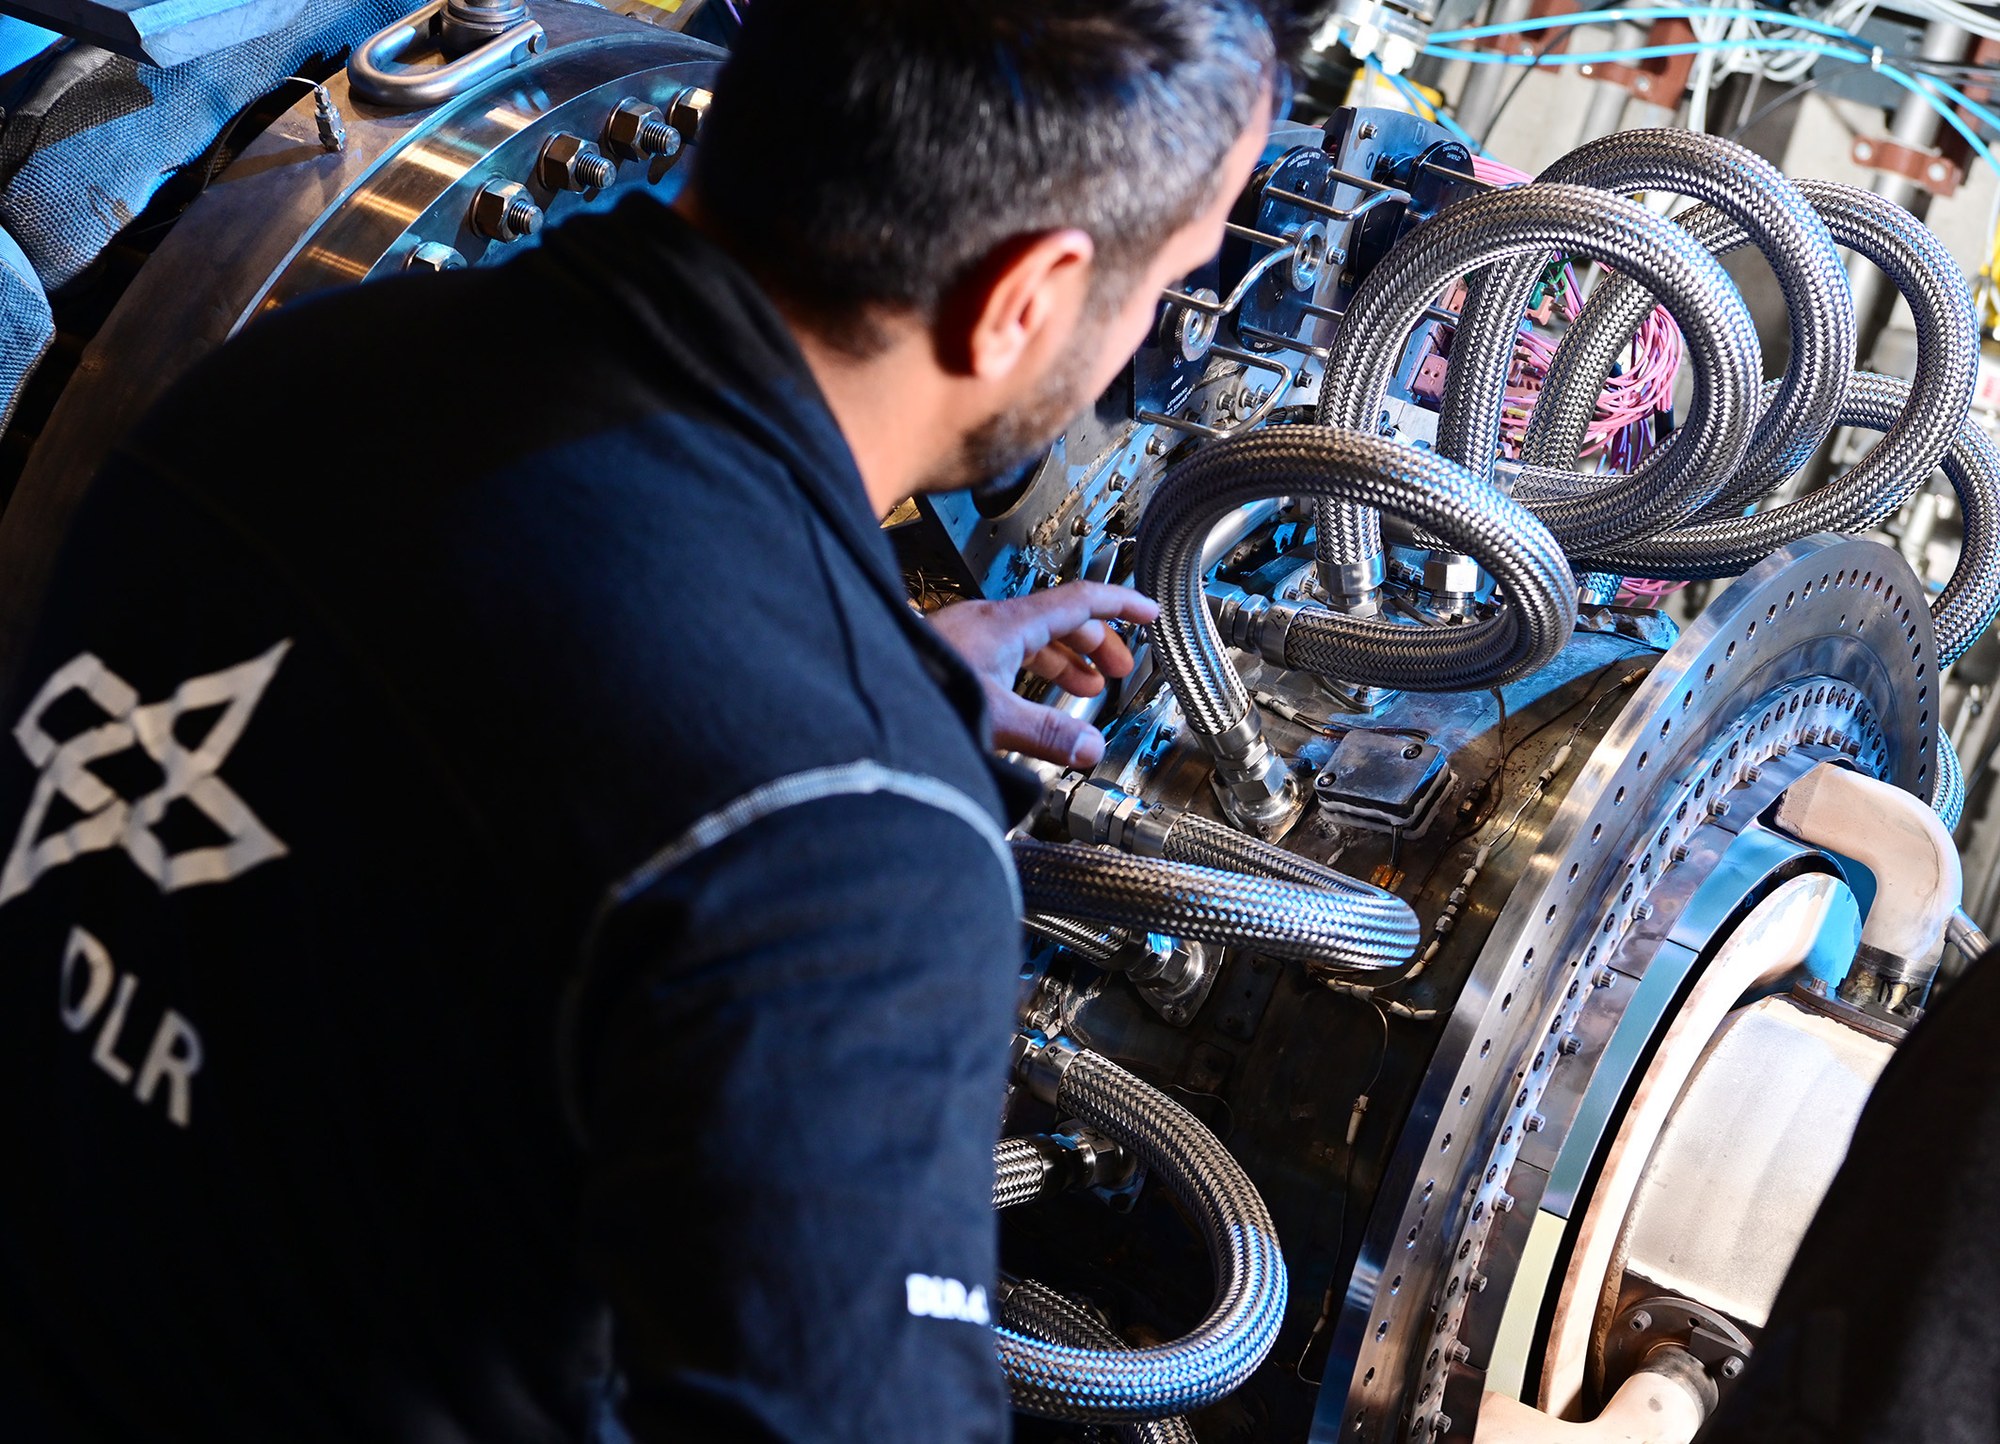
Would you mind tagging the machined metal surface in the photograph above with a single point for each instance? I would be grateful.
(291, 218)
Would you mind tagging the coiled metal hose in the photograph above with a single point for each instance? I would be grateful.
(1971, 599)
(1915, 442)
(1041, 1313)
(1524, 560)
(1355, 926)
(1523, 225)
(1768, 208)
(1064, 1381)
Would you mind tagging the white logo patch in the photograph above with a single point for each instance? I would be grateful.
(190, 775)
(936, 1298)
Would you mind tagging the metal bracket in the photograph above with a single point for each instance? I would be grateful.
(375, 71)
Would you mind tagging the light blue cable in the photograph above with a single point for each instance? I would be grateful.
(1696, 47)
(1411, 94)
(1661, 12)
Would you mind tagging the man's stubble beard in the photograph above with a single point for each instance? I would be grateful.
(992, 454)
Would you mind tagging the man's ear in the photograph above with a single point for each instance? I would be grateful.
(1028, 293)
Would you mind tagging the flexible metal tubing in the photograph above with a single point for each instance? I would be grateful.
(1062, 1381)
(1019, 1172)
(1913, 259)
(1040, 1312)
(1751, 196)
(1948, 791)
(1971, 598)
(1512, 230)
(1194, 839)
(1419, 486)
(1357, 927)
(1680, 479)
(1732, 545)
(1100, 945)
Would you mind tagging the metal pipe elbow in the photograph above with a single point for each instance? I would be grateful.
(1918, 879)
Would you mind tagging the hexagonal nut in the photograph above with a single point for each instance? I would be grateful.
(571, 163)
(1444, 572)
(433, 256)
(686, 111)
(504, 211)
(637, 131)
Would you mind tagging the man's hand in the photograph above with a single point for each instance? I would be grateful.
(1061, 635)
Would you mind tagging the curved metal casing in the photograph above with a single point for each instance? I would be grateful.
(290, 218)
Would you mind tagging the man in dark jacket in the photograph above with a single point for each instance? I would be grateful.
(507, 927)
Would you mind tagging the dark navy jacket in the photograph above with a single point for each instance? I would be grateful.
(505, 927)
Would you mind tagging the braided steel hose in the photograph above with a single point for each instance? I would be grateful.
(1063, 1381)
(1040, 1312)
(1948, 791)
(1682, 478)
(1875, 402)
(1514, 229)
(1195, 840)
(1100, 945)
(1356, 926)
(1524, 560)
(1020, 1172)
(1947, 359)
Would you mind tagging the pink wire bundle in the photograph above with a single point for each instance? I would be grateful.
(1623, 430)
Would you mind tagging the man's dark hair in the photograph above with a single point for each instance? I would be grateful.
(866, 156)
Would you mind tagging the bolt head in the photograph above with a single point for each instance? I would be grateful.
(1732, 1366)
(621, 129)
(564, 164)
(433, 256)
(687, 110)
(493, 214)
(1640, 1322)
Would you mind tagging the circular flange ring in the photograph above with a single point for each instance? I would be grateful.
(1826, 641)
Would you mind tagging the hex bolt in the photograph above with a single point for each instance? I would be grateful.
(1640, 1322)
(433, 256)
(502, 210)
(1477, 1283)
(571, 163)
(638, 131)
(1732, 1366)
(1605, 978)
(1534, 1123)
(687, 111)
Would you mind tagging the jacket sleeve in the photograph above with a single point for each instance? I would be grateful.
(790, 1063)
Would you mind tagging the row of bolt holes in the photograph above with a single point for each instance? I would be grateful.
(1840, 697)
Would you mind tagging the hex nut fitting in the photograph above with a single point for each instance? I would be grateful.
(686, 111)
(433, 256)
(502, 210)
(637, 131)
(571, 163)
